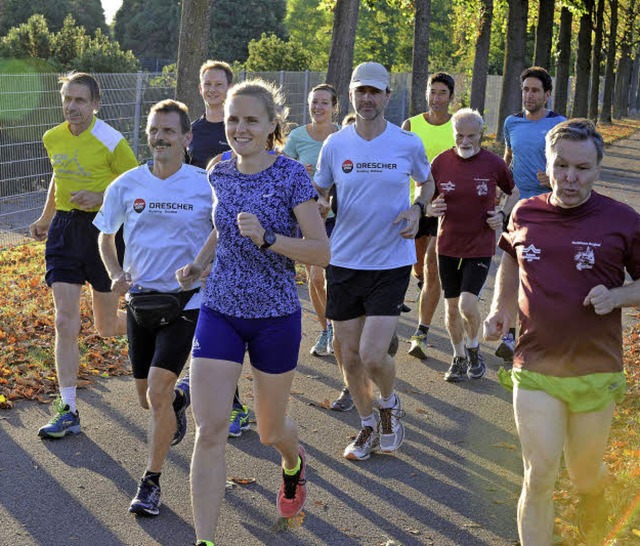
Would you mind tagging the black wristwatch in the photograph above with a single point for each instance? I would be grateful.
(269, 238)
(423, 209)
(504, 214)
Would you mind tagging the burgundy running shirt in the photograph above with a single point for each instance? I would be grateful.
(563, 254)
(469, 189)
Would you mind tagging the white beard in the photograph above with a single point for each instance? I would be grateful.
(465, 153)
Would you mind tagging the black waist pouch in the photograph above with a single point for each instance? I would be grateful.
(155, 309)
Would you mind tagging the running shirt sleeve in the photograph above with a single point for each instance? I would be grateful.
(507, 136)
(301, 188)
(323, 176)
(504, 178)
(421, 167)
(291, 146)
(112, 213)
(123, 158)
(632, 257)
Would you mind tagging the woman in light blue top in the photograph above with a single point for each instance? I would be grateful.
(304, 144)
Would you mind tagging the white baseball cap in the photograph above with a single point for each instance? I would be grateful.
(370, 74)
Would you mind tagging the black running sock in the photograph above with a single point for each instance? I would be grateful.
(512, 331)
(423, 329)
(236, 399)
(152, 476)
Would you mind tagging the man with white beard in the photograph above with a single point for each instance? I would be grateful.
(467, 178)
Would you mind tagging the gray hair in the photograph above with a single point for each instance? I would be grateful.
(465, 113)
(577, 130)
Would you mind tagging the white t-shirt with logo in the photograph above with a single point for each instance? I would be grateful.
(166, 223)
(372, 185)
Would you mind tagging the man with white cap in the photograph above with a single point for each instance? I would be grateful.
(372, 249)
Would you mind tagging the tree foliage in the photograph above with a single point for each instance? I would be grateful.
(309, 23)
(271, 53)
(87, 13)
(150, 28)
(71, 48)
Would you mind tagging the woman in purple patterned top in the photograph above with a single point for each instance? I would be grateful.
(250, 300)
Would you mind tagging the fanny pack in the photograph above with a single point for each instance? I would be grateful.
(156, 309)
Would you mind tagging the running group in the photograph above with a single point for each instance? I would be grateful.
(202, 242)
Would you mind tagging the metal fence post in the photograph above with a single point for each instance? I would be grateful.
(137, 114)
(306, 94)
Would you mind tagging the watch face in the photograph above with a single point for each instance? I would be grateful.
(269, 237)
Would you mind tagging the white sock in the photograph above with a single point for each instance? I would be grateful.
(473, 343)
(388, 402)
(458, 349)
(369, 421)
(68, 395)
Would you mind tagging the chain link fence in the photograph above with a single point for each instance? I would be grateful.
(30, 105)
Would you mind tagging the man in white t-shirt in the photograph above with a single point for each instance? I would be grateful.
(165, 207)
(372, 249)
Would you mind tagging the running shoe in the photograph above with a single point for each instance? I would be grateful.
(391, 427)
(293, 491)
(204, 543)
(366, 442)
(238, 421)
(393, 346)
(458, 370)
(62, 423)
(330, 337)
(477, 367)
(344, 402)
(506, 348)
(147, 500)
(418, 346)
(183, 393)
(320, 347)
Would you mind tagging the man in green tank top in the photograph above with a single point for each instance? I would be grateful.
(435, 129)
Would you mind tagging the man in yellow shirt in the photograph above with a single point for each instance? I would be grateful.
(86, 155)
(435, 129)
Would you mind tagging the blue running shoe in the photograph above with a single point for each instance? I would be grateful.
(180, 405)
(239, 421)
(147, 500)
(62, 423)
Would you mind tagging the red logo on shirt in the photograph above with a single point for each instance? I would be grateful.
(347, 166)
(139, 205)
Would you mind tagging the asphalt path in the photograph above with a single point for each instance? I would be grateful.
(455, 480)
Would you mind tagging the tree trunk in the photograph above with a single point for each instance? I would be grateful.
(544, 34)
(596, 61)
(192, 52)
(623, 77)
(343, 39)
(623, 74)
(634, 97)
(607, 99)
(561, 93)
(420, 64)
(481, 59)
(583, 63)
(514, 61)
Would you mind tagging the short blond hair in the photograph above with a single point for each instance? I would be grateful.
(217, 65)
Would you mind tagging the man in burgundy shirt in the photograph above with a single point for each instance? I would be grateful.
(467, 178)
(564, 265)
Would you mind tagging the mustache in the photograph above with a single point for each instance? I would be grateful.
(160, 143)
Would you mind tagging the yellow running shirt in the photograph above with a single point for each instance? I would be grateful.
(89, 161)
(436, 139)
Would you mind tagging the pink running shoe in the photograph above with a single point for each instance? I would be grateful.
(293, 491)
